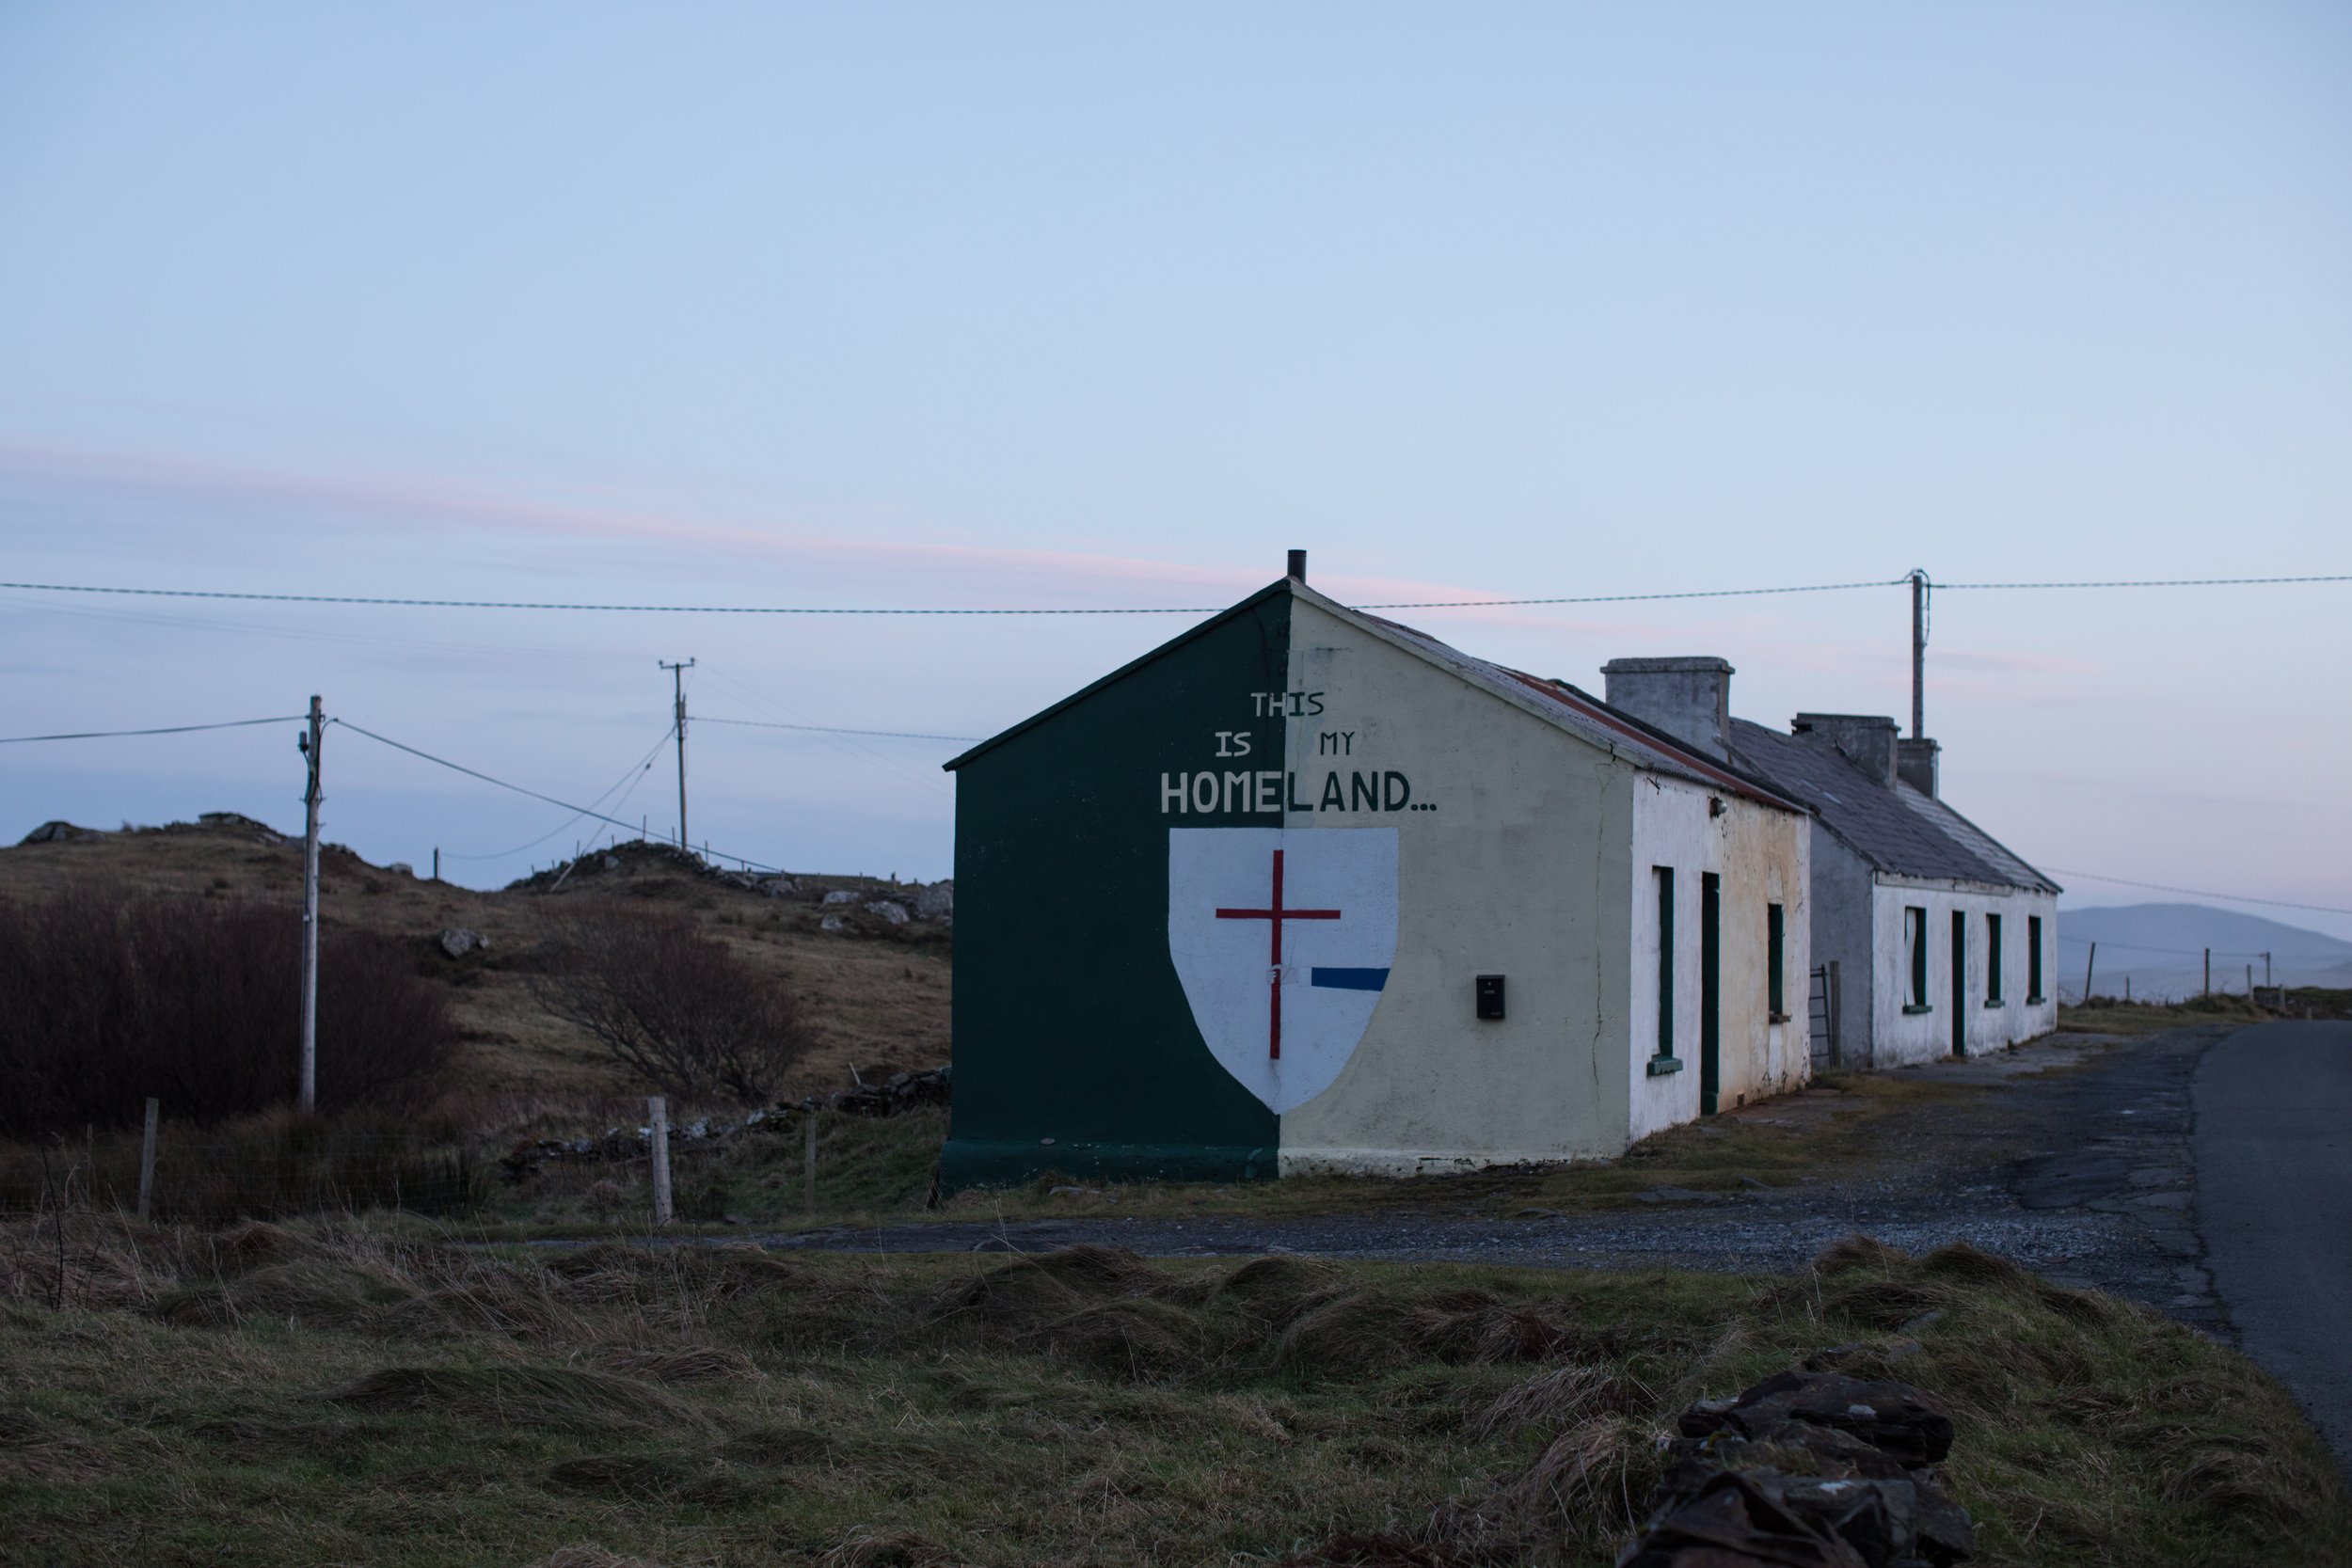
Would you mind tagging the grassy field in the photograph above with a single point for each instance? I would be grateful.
(880, 1170)
(300, 1396)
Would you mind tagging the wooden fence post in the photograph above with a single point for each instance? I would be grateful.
(808, 1141)
(147, 1160)
(660, 1159)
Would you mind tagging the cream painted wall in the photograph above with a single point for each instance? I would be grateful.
(1763, 856)
(1904, 1038)
(1519, 871)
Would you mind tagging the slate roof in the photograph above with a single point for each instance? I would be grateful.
(1576, 712)
(2011, 866)
(1896, 829)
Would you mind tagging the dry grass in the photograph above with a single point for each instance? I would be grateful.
(296, 1394)
(2112, 1016)
(869, 1001)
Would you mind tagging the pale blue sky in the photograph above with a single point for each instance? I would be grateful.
(1085, 305)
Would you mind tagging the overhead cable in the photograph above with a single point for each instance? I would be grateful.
(168, 729)
(2151, 582)
(2176, 952)
(476, 773)
(616, 609)
(627, 609)
(2199, 892)
(636, 773)
(1637, 598)
(830, 729)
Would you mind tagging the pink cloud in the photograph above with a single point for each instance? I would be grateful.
(432, 502)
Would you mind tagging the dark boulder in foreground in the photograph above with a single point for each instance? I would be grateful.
(1807, 1470)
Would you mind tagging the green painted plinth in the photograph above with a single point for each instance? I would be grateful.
(978, 1162)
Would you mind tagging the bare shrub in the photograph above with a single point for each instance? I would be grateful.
(110, 995)
(669, 1003)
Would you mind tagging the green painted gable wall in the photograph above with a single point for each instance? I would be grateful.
(1069, 1022)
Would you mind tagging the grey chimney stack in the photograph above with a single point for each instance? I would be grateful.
(1916, 763)
(1689, 697)
(1298, 571)
(1867, 741)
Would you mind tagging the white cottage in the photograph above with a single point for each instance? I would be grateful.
(1933, 938)
(1307, 890)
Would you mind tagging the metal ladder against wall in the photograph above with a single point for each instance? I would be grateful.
(1820, 1022)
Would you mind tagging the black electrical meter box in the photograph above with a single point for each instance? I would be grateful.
(1490, 996)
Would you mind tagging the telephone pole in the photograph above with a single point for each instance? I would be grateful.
(678, 679)
(1918, 653)
(310, 745)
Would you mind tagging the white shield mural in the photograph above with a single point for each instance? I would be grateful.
(1283, 939)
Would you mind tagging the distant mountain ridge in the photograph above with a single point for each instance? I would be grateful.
(2161, 948)
(2192, 927)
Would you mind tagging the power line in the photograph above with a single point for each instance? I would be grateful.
(1118, 610)
(168, 729)
(1632, 598)
(2176, 952)
(2199, 893)
(2150, 583)
(636, 773)
(928, 781)
(476, 773)
(830, 729)
(617, 609)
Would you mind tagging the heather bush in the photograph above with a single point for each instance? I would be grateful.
(110, 995)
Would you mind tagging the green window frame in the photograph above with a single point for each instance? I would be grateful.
(2033, 960)
(1665, 1061)
(1916, 943)
(1991, 960)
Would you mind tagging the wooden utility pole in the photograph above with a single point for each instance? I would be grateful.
(311, 744)
(2208, 971)
(2090, 966)
(1918, 653)
(677, 680)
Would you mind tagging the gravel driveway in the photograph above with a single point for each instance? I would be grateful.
(2074, 1162)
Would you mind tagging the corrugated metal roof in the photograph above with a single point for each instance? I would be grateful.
(1896, 829)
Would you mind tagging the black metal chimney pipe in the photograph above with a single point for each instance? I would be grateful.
(1298, 565)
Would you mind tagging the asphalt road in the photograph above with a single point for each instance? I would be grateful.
(2272, 1142)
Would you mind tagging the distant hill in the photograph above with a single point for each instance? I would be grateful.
(2161, 948)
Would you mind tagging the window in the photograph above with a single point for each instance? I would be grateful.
(2033, 957)
(1915, 944)
(1991, 960)
(1775, 945)
(1664, 1061)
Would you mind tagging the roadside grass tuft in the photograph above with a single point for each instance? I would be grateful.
(397, 1401)
(563, 1398)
